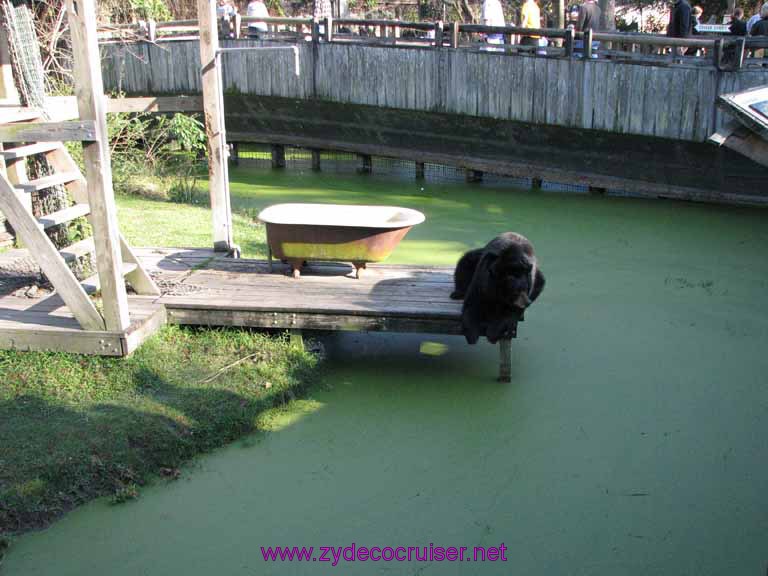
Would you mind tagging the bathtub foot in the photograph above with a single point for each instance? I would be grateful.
(296, 267)
(359, 267)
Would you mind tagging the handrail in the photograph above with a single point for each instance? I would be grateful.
(725, 52)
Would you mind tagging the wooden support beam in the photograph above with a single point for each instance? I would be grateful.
(72, 131)
(454, 34)
(439, 34)
(474, 176)
(49, 259)
(8, 90)
(505, 360)
(588, 44)
(213, 103)
(419, 170)
(278, 156)
(96, 156)
(316, 167)
(366, 164)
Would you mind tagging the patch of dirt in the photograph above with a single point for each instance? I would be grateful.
(176, 287)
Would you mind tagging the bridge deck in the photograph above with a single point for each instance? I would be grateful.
(200, 288)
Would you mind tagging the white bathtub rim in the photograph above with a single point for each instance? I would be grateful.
(343, 215)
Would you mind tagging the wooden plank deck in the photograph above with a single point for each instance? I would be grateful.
(200, 288)
(224, 292)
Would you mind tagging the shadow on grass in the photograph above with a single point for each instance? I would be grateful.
(59, 452)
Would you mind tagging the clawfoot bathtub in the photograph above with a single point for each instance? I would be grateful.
(298, 233)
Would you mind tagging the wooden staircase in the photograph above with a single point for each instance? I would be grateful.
(16, 204)
(24, 133)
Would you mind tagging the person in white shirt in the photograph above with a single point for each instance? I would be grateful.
(229, 19)
(257, 9)
(493, 15)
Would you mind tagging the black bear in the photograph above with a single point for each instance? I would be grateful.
(497, 282)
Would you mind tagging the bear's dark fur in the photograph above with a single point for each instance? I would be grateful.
(497, 283)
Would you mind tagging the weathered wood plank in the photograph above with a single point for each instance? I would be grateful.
(96, 157)
(69, 131)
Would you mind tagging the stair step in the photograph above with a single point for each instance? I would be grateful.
(47, 182)
(78, 250)
(10, 114)
(29, 150)
(65, 215)
(92, 283)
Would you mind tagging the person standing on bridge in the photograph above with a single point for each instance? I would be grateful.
(530, 17)
(680, 20)
(493, 15)
(257, 9)
(588, 19)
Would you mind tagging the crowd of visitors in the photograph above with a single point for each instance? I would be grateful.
(683, 21)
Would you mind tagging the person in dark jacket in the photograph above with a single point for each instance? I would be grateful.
(760, 28)
(589, 17)
(738, 25)
(680, 20)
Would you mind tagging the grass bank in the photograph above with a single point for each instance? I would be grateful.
(77, 427)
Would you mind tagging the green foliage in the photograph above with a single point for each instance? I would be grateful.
(120, 11)
(144, 146)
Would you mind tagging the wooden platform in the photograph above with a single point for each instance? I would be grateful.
(201, 288)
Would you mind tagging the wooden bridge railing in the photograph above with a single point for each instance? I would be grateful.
(721, 52)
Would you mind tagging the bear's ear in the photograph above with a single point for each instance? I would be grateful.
(538, 285)
(487, 264)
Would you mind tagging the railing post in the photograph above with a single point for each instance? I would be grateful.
(454, 34)
(717, 53)
(419, 170)
(439, 34)
(315, 30)
(151, 30)
(568, 44)
(278, 156)
(315, 160)
(588, 44)
(328, 29)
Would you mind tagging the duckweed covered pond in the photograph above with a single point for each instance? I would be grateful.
(630, 441)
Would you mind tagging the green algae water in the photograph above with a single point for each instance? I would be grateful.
(630, 441)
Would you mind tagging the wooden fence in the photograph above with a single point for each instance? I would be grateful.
(677, 102)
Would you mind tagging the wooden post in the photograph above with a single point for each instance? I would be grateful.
(315, 160)
(328, 29)
(315, 30)
(474, 176)
(717, 54)
(419, 170)
(438, 34)
(505, 360)
(213, 107)
(91, 105)
(536, 183)
(588, 44)
(568, 44)
(235, 153)
(597, 190)
(278, 156)
(366, 166)
(454, 34)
